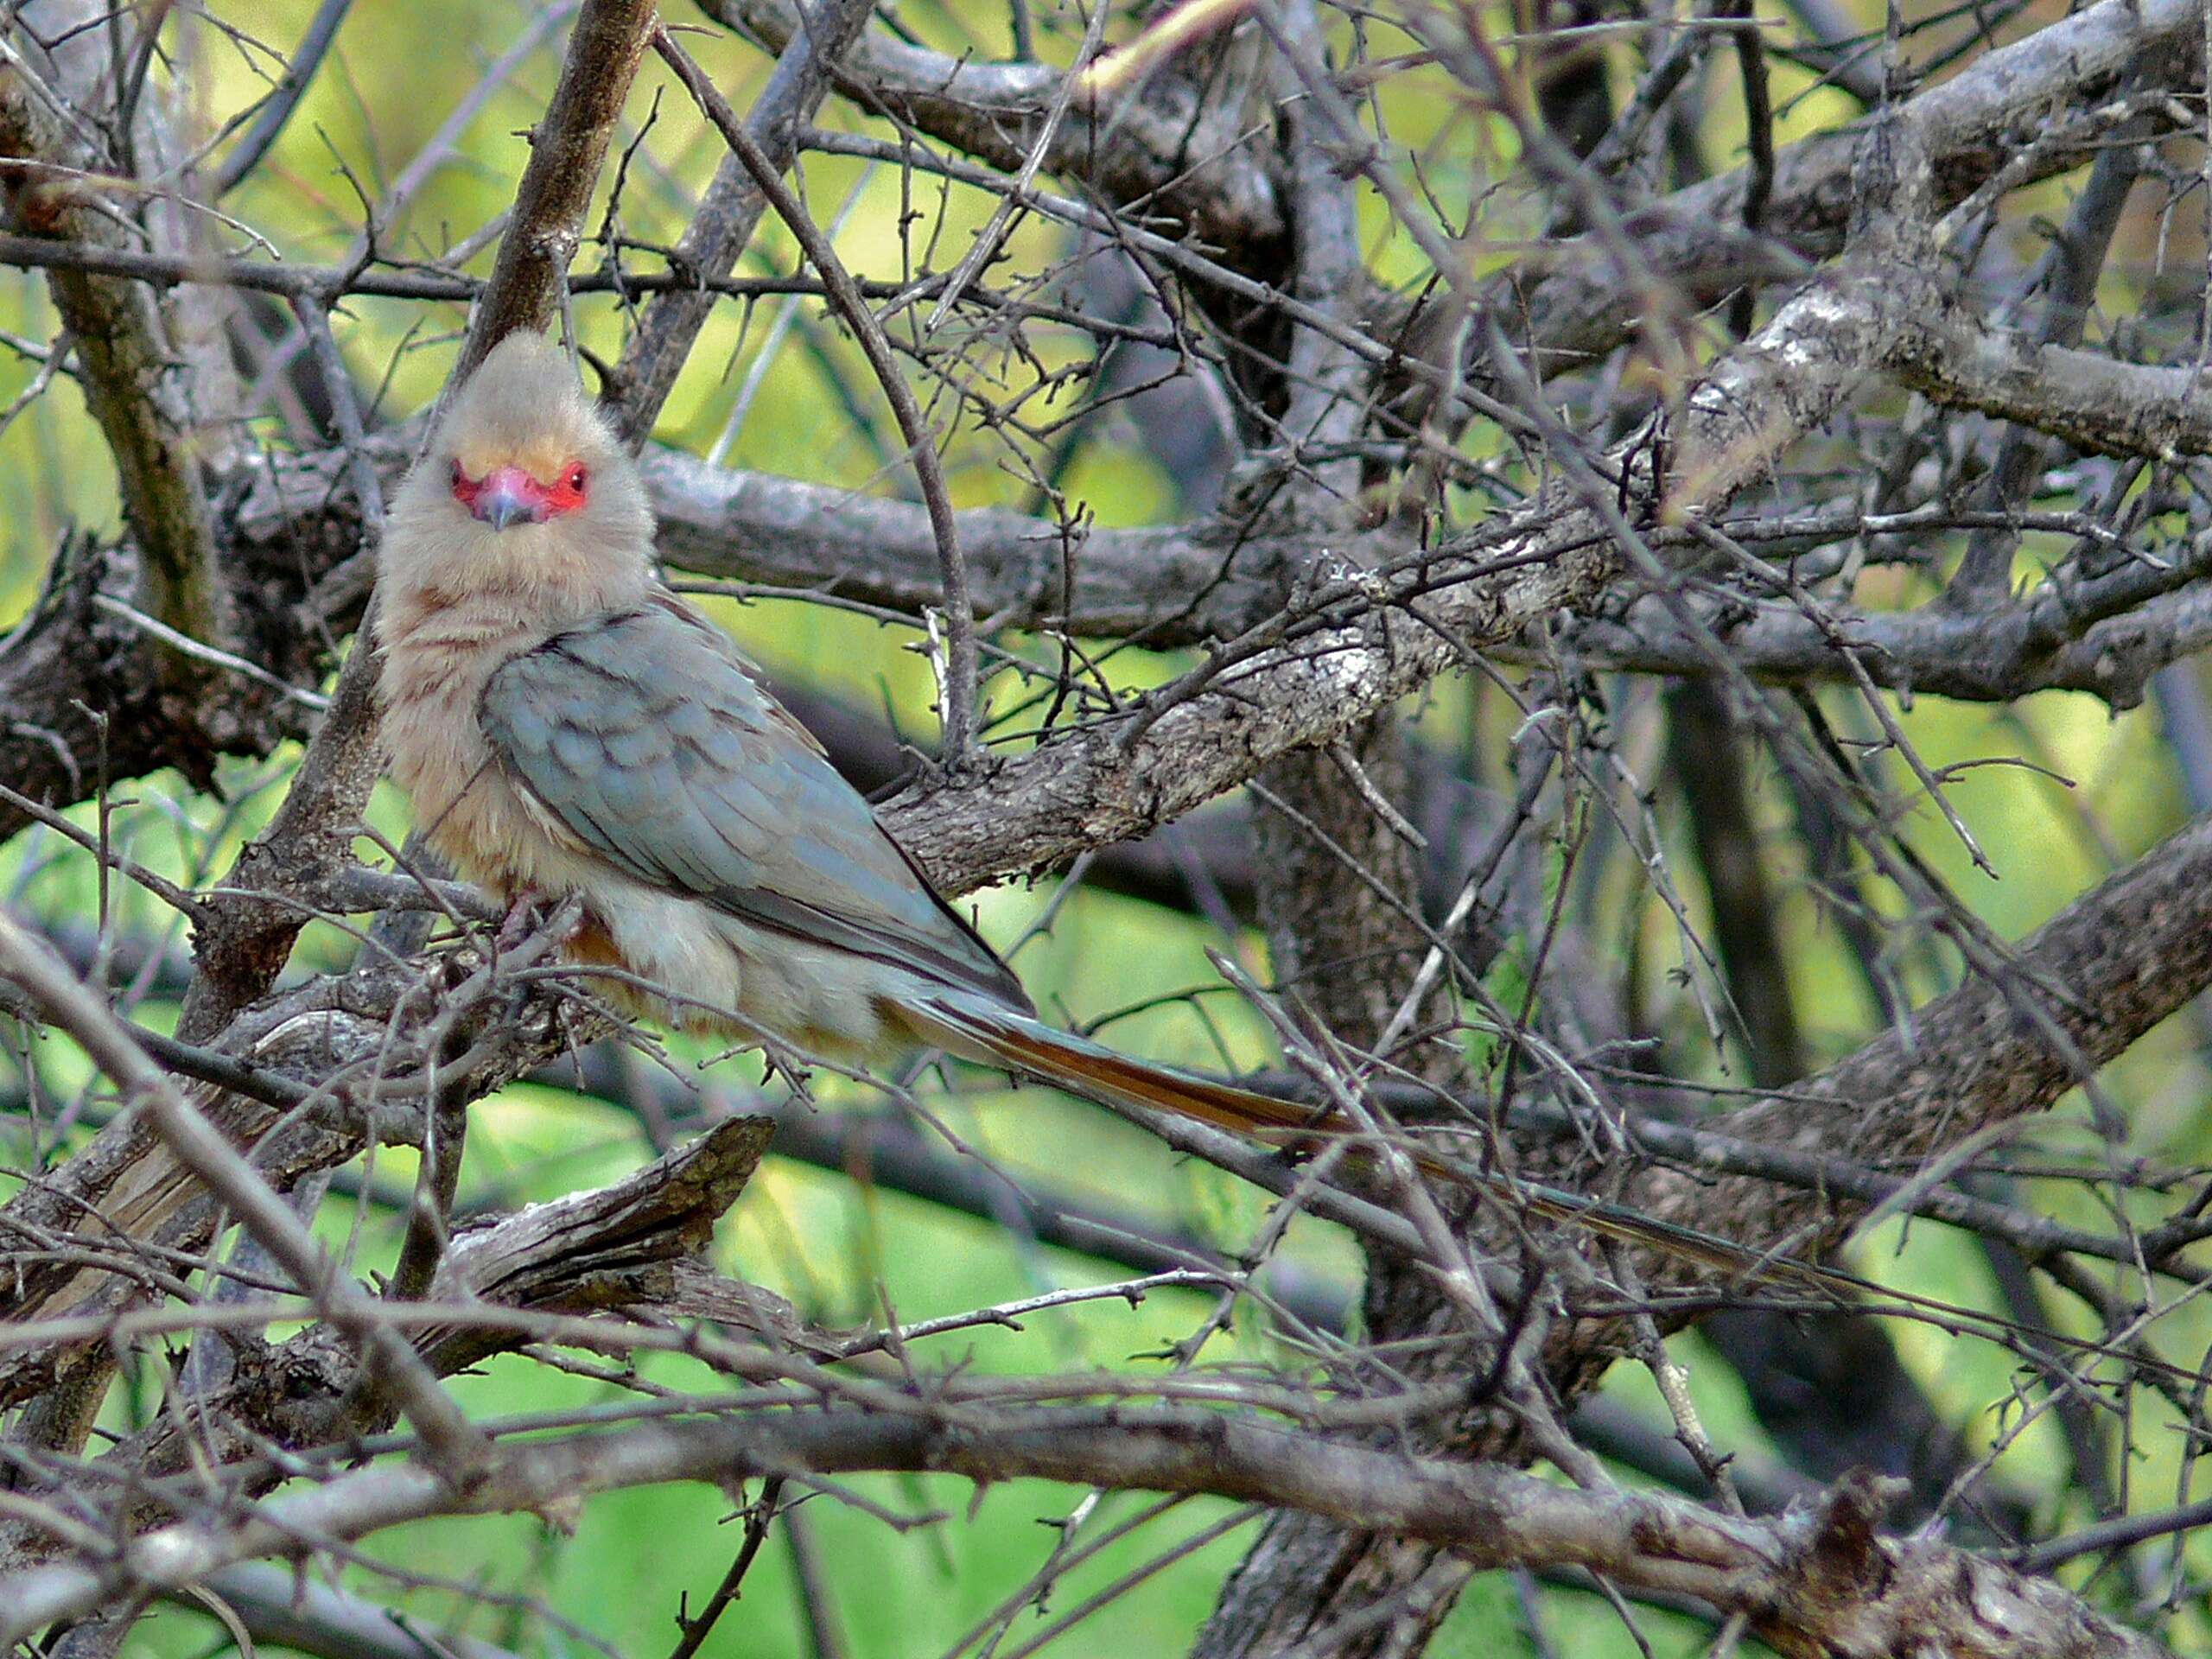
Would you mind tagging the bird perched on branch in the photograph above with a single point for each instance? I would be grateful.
(568, 726)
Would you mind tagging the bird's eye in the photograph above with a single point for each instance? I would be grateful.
(576, 477)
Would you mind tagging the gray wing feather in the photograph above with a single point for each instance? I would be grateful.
(651, 741)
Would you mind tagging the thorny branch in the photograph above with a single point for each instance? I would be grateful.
(1827, 432)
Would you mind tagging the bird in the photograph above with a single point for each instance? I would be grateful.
(567, 727)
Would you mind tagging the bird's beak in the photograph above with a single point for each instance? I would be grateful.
(508, 495)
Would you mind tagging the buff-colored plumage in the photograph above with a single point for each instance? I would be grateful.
(566, 726)
(456, 599)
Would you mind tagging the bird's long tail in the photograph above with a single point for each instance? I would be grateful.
(996, 1036)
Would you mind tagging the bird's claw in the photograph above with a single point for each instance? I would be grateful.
(779, 1059)
(522, 915)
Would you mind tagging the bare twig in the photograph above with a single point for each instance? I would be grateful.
(959, 686)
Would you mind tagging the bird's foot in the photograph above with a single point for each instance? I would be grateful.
(795, 1071)
(522, 915)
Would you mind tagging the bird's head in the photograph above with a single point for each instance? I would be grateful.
(524, 489)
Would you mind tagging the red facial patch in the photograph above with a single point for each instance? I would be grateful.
(566, 493)
(508, 495)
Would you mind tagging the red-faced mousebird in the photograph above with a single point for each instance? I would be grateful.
(568, 726)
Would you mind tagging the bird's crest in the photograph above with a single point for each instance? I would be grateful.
(523, 407)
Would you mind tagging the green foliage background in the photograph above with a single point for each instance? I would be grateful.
(846, 1253)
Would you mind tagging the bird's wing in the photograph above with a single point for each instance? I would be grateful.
(649, 738)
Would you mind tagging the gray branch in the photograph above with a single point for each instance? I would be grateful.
(1817, 1581)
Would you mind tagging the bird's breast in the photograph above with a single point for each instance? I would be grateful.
(436, 662)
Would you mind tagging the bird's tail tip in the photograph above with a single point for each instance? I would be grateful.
(1005, 1038)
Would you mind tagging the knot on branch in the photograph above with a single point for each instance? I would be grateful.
(285, 1389)
(1843, 1561)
